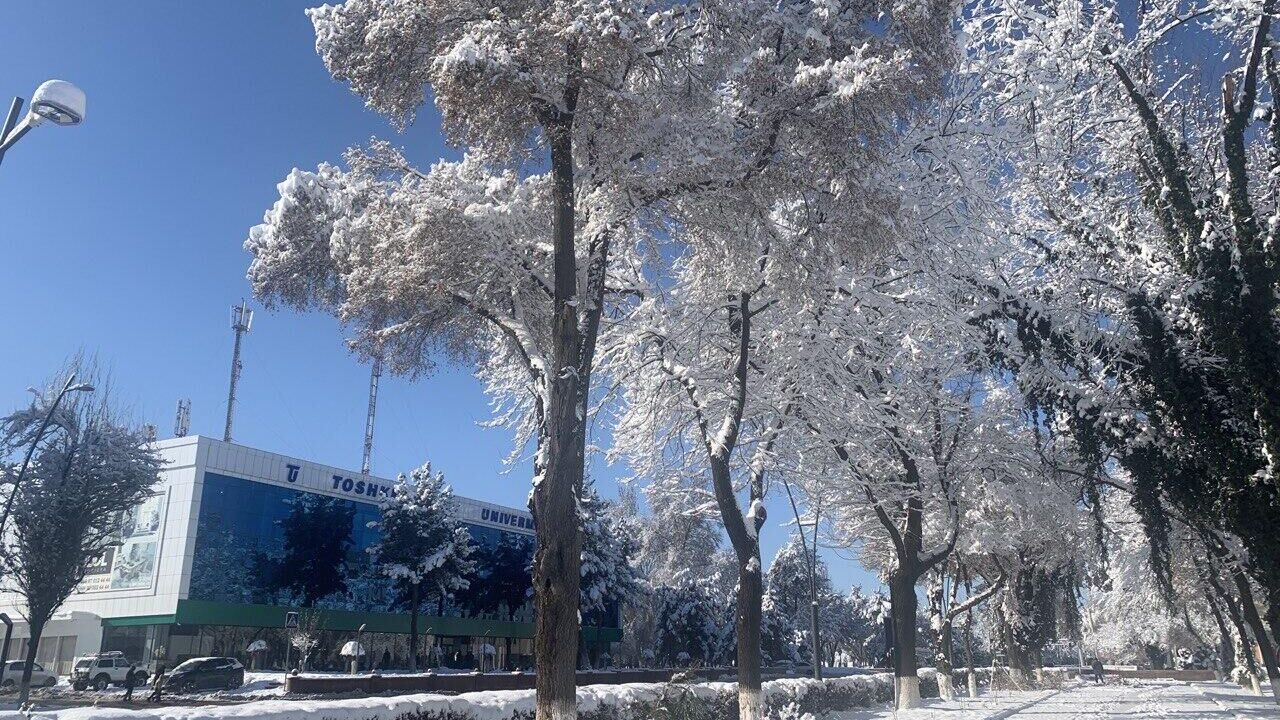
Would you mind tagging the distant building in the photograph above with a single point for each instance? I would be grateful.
(190, 576)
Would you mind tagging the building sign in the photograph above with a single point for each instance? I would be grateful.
(480, 513)
(505, 517)
(131, 563)
(363, 487)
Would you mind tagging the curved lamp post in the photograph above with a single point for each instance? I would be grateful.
(69, 386)
(56, 101)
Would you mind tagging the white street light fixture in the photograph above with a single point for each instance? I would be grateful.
(69, 387)
(57, 101)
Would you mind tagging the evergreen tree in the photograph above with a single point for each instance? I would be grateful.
(610, 544)
(790, 594)
(502, 579)
(422, 545)
(695, 624)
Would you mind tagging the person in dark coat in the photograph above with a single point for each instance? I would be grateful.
(1097, 671)
(130, 679)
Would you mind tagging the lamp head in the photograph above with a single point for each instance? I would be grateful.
(59, 102)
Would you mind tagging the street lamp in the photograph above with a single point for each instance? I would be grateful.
(359, 644)
(57, 101)
(67, 387)
(812, 562)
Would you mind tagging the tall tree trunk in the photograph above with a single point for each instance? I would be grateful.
(36, 625)
(414, 604)
(1230, 605)
(1273, 616)
(1226, 647)
(557, 562)
(743, 532)
(902, 597)
(750, 612)
(1249, 611)
(972, 676)
(946, 671)
(940, 619)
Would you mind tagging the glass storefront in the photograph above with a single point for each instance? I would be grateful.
(250, 537)
(242, 550)
(241, 542)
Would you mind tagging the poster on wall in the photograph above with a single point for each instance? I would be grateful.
(130, 564)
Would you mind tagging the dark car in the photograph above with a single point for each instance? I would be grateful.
(209, 673)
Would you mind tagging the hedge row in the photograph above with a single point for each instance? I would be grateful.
(785, 699)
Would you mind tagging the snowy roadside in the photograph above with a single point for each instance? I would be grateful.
(987, 706)
(791, 697)
(788, 698)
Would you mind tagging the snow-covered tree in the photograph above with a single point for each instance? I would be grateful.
(500, 583)
(1140, 312)
(609, 545)
(421, 544)
(1130, 613)
(848, 629)
(789, 593)
(604, 114)
(895, 411)
(678, 533)
(695, 625)
(89, 469)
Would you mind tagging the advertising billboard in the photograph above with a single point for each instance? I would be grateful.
(130, 564)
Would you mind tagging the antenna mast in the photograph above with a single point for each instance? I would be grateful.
(182, 423)
(241, 320)
(373, 409)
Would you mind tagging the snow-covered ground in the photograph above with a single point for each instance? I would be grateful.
(1077, 701)
(1131, 700)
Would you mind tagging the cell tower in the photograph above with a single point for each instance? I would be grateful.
(241, 320)
(182, 422)
(373, 409)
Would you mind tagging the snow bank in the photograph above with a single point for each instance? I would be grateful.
(789, 697)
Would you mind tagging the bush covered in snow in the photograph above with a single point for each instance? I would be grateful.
(785, 699)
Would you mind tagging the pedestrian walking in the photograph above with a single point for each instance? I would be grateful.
(130, 679)
(1097, 671)
(157, 684)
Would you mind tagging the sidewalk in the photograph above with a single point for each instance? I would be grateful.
(1125, 699)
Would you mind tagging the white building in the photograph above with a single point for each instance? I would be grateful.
(192, 574)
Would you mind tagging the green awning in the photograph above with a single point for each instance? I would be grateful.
(139, 620)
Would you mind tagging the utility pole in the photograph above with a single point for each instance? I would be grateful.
(241, 320)
(182, 422)
(374, 375)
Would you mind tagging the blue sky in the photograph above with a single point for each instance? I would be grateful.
(122, 237)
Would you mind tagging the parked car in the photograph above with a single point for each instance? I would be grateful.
(205, 673)
(39, 676)
(101, 670)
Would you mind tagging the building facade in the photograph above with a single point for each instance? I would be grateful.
(198, 570)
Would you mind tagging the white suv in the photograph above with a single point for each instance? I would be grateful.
(104, 669)
(39, 676)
